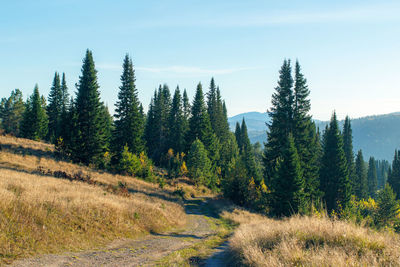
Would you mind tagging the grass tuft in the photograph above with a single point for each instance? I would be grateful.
(311, 241)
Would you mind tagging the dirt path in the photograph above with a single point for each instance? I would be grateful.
(218, 259)
(142, 252)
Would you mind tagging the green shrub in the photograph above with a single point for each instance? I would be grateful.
(199, 165)
(140, 166)
(387, 206)
(129, 163)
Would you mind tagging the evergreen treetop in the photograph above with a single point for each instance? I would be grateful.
(394, 174)
(54, 109)
(177, 124)
(334, 179)
(35, 120)
(372, 178)
(89, 141)
(361, 182)
(129, 124)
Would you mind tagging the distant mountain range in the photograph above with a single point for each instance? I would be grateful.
(377, 136)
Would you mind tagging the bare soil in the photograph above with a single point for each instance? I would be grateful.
(147, 250)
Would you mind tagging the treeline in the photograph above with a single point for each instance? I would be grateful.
(304, 168)
(185, 137)
(299, 168)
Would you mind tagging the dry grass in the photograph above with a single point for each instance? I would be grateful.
(43, 214)
(311, 241)
(27, 155)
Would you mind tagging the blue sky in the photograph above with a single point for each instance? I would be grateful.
(349, 50)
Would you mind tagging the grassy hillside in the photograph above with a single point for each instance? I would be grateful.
(49, 206)
(311, 241)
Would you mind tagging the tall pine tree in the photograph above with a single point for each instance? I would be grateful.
(11, 112)
(394, 174)
(54, 109)
(348, 151)
(89, 141)
(372, 178)
(247, 154)
(177, 124)
(157, 124)
(212, 104)
(200, 126)
(186, 106)
(34, 122)
(65, 131)
(288, 184)
(334, 178)
(361, 182)
(305, 136)
(281, 115)
(238, 135)
(129, 124)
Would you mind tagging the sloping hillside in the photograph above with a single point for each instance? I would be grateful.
(377, 136)
(50, 206)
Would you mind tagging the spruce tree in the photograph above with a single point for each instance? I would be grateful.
(372, 178)
(129, 124)
(69, 129)
(199, 122)
(334, 179)
(247, 154)
(394, 174)
(238, 135)
(229, 154)
(65, 94)
(54, 109)
(281, 114)
(177, 124)
(199, 165)
(89, 140)
(212, 104)
(348, 151)
(200, 126)
(361, 182)
(150, 129)
(34, 122)
(186, 105)
(388, 206)
(11, 111)
(186, 111)
(222, 128)
(65, 108)
(305, 135)
(288, 184)
(107, 128)
(157, 124)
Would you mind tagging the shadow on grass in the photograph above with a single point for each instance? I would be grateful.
(20, 150)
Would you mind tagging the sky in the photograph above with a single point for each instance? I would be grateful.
(349, 50)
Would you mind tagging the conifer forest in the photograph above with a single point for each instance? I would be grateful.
(299, 168)
(199, 133)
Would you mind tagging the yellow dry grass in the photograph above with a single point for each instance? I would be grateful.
(43, 214)
(311, 241)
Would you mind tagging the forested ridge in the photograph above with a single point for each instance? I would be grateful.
(376, 135)
(301, 168)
